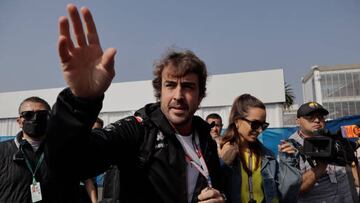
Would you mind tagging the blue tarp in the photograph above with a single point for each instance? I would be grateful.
(5, 137)
(271, 137)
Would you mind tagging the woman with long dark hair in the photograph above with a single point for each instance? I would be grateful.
(252, 172)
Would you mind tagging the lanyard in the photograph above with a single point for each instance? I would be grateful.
(29, 165)
(196, 157)
(251, 196)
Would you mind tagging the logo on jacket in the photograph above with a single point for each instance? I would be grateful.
(160, 143)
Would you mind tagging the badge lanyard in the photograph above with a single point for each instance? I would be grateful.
(29, 165)
(194, 155)
(35, 189)
(251, 193)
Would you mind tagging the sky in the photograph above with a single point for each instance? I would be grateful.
(230, 36)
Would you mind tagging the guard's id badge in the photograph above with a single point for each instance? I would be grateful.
(332, 177)
(332, 174)
(35, 192)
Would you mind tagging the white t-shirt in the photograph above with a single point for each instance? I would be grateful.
(191, 172)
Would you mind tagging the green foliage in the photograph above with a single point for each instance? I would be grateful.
(289, 96)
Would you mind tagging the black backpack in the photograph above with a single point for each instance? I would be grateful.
(111, 189)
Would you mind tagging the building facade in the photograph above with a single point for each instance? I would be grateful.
(337, 88)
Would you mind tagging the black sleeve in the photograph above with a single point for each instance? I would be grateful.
(75, 150)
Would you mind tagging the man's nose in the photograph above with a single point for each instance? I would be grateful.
(178, 95)
(316, 119)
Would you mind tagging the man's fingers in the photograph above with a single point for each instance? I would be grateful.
(77, 24)
(289, 151)
(205, 195)
(287, 148)
(210, 194)
(63, 49)
(108, 60)
(65, 31)
(92, 35)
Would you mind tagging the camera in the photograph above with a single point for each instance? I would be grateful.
(330, 148)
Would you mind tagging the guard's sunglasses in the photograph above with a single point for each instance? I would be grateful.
(314, 116)
(35, 115)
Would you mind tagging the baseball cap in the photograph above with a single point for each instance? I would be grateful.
(311, 107)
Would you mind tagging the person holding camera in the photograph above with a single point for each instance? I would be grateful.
(323, 182)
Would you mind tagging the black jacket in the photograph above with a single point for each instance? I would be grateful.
(163, 179)
(15, 177)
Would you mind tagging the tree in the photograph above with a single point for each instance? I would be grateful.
(289, 96)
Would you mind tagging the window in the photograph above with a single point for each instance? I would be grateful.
(338, 112)
(327, 86)
(345, 109)
(356, 84)
(350, 84)
(352, 108)
(323, 86)
(336, 85)
(342, 85)
(331, 109)
(357, 107)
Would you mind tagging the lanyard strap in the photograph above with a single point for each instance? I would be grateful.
(29, 165)
(251, 193)
(196, 157)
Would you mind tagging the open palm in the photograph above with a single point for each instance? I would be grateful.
(87, 70)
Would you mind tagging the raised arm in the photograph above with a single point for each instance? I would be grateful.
(87, 70)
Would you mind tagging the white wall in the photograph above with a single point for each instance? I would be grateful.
(267, 85)
(308, 90)
(122, 99)
(9, 126)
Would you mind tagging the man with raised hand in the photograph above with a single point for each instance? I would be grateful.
(164, 152)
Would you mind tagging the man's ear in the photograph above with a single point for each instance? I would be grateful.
(18, 120)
